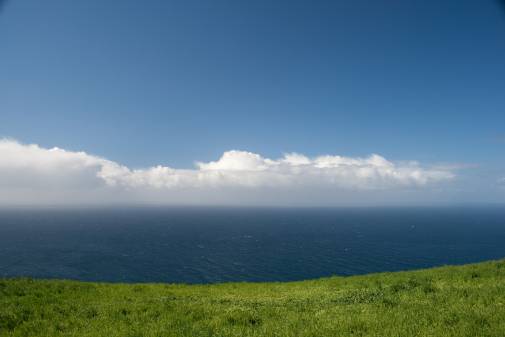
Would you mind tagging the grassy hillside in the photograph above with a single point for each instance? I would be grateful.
(451, 301)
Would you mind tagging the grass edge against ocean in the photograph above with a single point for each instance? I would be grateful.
(467, 300)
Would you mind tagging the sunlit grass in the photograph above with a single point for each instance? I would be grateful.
(450, 301)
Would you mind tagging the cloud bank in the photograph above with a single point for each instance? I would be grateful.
(33, 174)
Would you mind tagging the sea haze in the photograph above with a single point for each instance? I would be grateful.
(202, 245)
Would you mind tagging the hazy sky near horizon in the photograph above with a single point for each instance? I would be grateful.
(252, 102)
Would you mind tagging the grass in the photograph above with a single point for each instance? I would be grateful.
(449, 301)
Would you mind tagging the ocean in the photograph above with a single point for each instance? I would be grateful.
(207, 245)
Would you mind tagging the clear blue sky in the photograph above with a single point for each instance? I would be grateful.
(169, 82)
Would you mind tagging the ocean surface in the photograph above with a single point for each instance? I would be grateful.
(203, 245)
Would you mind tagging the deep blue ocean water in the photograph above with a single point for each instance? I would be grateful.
(201, 245)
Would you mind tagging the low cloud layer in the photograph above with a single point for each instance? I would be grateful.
(32, 174)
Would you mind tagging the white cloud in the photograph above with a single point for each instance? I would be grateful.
(31, 172)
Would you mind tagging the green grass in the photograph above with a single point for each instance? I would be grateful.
(450, 301)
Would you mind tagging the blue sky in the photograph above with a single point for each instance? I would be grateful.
(154, 82)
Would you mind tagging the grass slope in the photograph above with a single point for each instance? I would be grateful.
(450, 301)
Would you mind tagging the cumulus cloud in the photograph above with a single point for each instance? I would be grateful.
(33, 170)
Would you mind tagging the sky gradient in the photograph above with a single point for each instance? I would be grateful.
(172, 83)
